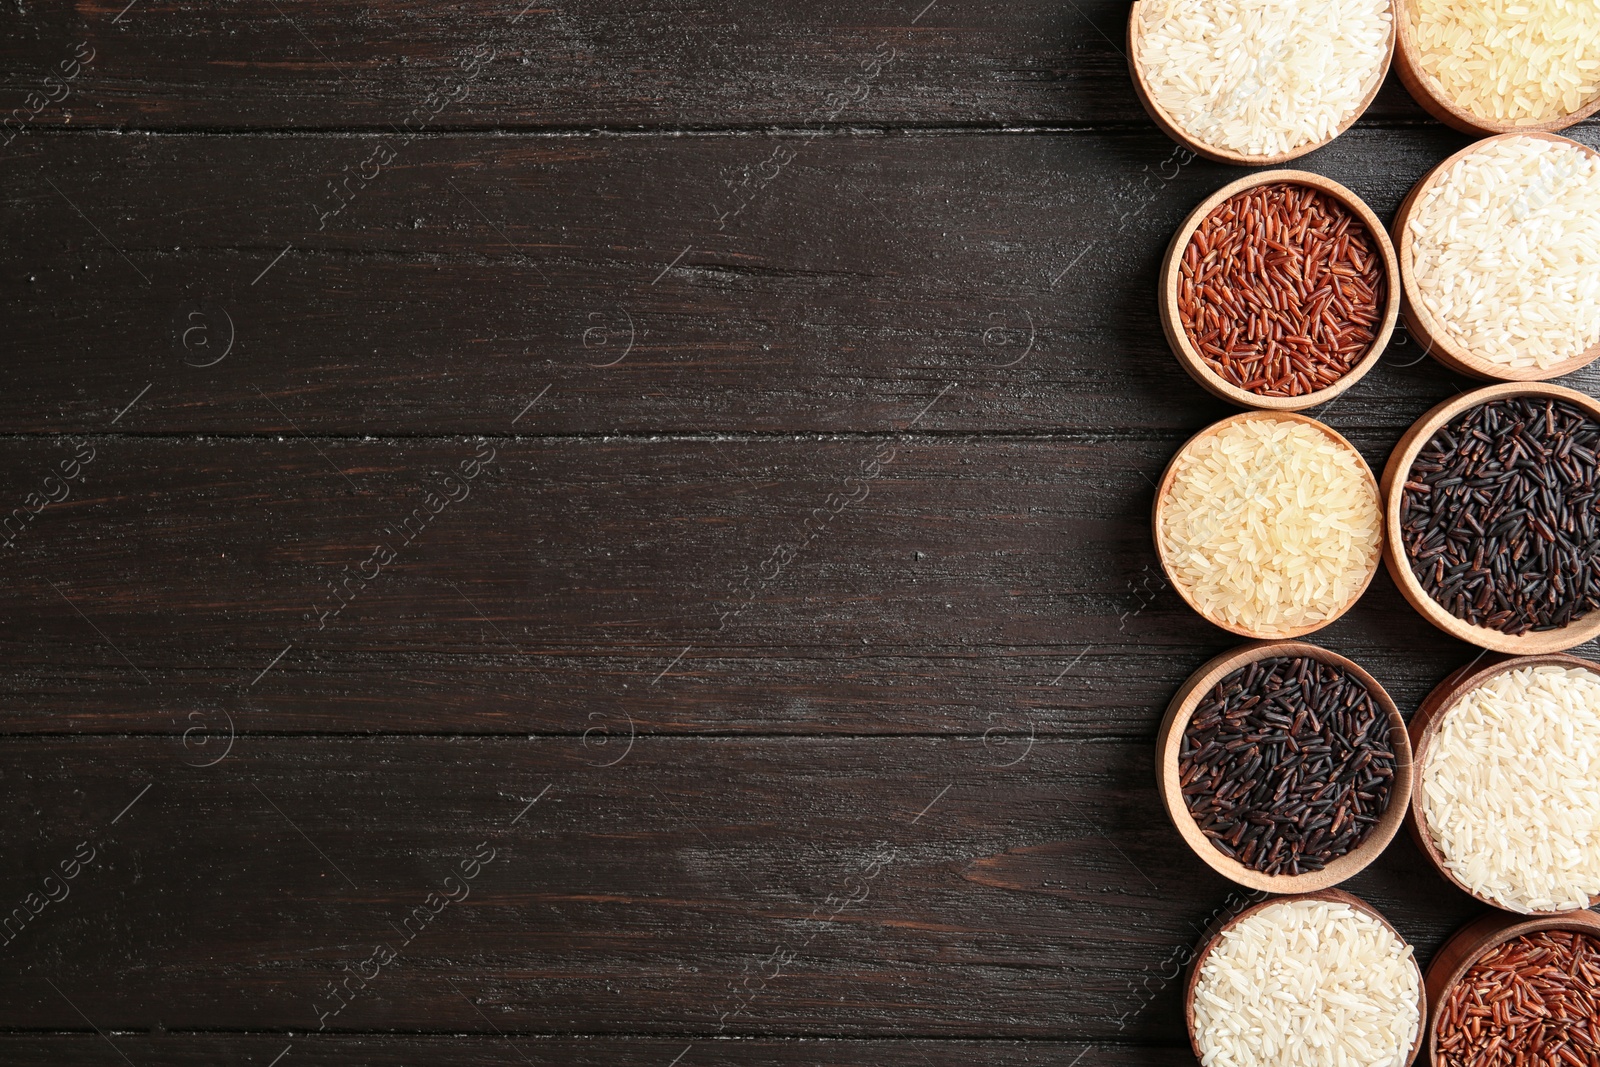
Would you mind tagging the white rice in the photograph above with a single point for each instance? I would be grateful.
(1308, 983)
(1262, 77)
(1506, 251)
(1270, 525)
(1512, 61)
(1511, 789)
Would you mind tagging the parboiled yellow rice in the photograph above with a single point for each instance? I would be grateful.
(1271, 525)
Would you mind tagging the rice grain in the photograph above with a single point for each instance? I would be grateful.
(1521, 62)
(1307, 983)
(1262, 78)
(1505, 250)
(1270, 525)
(1511, 789)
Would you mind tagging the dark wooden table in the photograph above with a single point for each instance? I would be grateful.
(608, 534)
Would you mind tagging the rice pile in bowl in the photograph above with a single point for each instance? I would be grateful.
(1262, 78)
(1307, 983)
(1520, 62)
(1511, 789)
(1271, 525)
(1505, 251)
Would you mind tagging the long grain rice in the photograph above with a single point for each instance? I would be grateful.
(1520, 62)
(1262, 78)
(1271, 525)
(1308, 983)
(1511, 789)
(1505, 250)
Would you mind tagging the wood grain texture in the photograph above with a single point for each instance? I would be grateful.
(809, 592)
(908, 887)
(458, 1050)
(475, 271)
(972, 585)
(655, 63)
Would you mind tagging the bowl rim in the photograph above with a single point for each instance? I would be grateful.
(1431, 97)
(1189, 357)
(1424, 728)
(1399, 565)
(1213, 937)
(1421, 323)
(1468, 944)
(1164, 490)
(1175, 130)
(1169, 741)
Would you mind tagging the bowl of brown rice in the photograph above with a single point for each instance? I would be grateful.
(1279, 291)
(1505, 990)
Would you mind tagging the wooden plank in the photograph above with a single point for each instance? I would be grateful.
(497, 64)
(904, 584)
(784, 756)
(1011, 277)
(849, 887)
(456, 1050)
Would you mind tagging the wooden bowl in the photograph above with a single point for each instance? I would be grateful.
(1332, 895)
(1169, 742)
(1190, 358)
(1425, 727)
(1420, 322)
(1468, 944)
(1432, 99)
(1164, 490)
(1394, 476)
(1172, 129)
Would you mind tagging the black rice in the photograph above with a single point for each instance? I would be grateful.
(1500, 517)
(1286, 764)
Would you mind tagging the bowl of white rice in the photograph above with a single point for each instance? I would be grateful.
(1505, 798)
(1499, 250)
(1319, 980)
(1258, 82)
